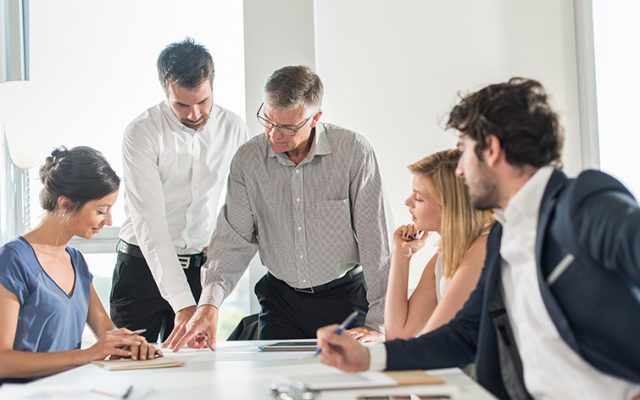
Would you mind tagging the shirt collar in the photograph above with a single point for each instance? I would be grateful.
(526, 202)
(319, 147)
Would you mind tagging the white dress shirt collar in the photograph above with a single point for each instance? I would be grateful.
(526, 199)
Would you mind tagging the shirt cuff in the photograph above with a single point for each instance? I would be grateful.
(211, 294)
(181, 300)
(377, 357)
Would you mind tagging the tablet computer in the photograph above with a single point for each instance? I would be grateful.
(297, 345)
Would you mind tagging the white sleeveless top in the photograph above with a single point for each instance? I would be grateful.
(442, 282)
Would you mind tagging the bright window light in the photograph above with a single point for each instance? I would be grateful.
(95, 63)
(616, 32)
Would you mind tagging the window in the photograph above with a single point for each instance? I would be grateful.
(94, 63)
(97, 69)
(233, 309)
(617, 60)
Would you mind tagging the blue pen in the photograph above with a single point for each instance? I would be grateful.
(344, 325)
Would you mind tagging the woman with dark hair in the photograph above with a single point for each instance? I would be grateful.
(46, 290)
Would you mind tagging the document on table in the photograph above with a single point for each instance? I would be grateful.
(76, 392)
(128, 364)
(361, 380)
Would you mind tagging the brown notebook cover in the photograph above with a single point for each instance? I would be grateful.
(414, 377)
(128, 364)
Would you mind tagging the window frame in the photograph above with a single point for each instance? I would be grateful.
(586, 77)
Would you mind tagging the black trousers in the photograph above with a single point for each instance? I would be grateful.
(290, 314)
(136, 302)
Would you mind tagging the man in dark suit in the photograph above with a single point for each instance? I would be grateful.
(556, 313)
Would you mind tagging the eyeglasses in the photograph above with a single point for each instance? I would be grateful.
(288, 130)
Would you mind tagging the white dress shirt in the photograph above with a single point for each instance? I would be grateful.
(552, 370)
(173, 180)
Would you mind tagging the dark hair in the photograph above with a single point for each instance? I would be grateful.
(518, 114)
(293, 86)
(81, 174)
(186, 63)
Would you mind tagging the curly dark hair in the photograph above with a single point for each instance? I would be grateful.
(518, 114)
(186, 63)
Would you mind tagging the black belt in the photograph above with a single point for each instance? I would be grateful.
(349, 276)
(186, 261)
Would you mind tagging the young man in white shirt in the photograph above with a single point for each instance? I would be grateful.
(176, 158)
(555, 314)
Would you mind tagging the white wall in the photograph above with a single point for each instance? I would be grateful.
(391, 69)
(277, 33)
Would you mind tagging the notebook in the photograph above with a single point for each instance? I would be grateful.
(298, 345)
(128, 364)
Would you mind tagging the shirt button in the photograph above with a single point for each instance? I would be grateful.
(304, 281)
(299, 228)
(298, 199)
(301, 256)
(297, 171)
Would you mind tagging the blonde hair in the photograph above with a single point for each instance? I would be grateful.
(461, 224)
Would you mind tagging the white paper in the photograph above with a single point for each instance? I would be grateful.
(339, 381)
(68, 392)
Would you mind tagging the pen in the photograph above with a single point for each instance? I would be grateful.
(124, 395)
(344, 325)
(130, 388)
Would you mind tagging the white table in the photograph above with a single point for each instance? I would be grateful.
(236, 371)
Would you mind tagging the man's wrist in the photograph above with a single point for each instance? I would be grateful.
(190, 309)
(207, 309)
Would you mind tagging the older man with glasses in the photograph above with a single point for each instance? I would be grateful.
(308, 196)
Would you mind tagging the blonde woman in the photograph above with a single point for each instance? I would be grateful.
(439, 202)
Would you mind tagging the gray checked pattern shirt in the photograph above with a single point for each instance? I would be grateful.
(311, 222)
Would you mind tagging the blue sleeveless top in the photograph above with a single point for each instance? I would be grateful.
(49, 319)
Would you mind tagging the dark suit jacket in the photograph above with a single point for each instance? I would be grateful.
(594, 303)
